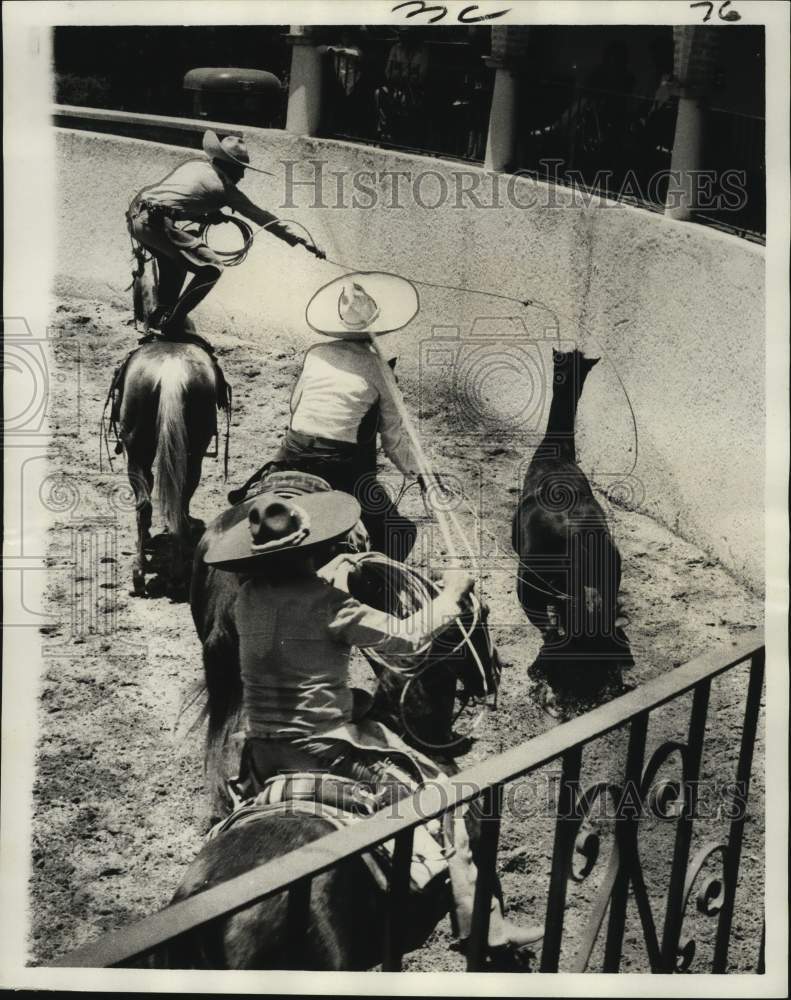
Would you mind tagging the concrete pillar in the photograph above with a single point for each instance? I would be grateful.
(507, 60)
(695, 52)
(501, 137)
(680, 201)
(305, 83)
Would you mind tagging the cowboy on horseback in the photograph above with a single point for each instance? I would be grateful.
(195, 192)
(297, 626)
(341, 401)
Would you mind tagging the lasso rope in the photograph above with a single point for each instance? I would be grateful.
(444, 518)
(231, 258)
(414, 591)
(525, 302)
(415, 281)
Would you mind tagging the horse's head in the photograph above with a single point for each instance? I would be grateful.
(435, 700)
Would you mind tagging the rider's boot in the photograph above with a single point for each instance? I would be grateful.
(503, 933)
(157, 317)
(170, 326)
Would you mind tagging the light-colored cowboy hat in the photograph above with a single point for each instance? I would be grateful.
(231, 149)
(278, 524)
(362, 304)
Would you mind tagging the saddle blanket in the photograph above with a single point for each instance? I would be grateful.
(340, 802)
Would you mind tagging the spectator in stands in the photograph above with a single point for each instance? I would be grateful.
(401, 98)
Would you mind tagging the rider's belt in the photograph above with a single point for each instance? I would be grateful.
(312, 440)
(156, 213)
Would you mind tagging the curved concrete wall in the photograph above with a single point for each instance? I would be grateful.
(672, 418)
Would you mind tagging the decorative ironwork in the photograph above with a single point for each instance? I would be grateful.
(642, 792)
(709, 899)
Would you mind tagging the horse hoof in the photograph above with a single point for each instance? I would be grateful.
(179, 594)
(155, 587)
(510, 959)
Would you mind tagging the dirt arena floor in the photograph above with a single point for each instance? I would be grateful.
(118, 801)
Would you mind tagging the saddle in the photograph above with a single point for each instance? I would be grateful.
(116, 391)
(341, 802)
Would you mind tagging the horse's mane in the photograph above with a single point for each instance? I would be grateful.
(212, 598)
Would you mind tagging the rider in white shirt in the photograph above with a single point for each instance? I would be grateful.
(342, 400)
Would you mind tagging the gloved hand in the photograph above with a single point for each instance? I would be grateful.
(442, 491)
(457, 583)
(302, 241)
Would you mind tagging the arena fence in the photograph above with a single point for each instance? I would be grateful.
(614, 144)
(446, 115)
(573, 839)
(737, 141)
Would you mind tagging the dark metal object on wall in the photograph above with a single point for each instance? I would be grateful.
(239, 96)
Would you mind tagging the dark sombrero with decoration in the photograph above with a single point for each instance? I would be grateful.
(278, 524)
(363, 304)
(231, 149)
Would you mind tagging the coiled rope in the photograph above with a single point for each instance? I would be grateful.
(408, 591)
(230, 257)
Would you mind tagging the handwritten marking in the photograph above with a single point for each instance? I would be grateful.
(730, 15)
(465, 16)
(481, 17)
(422, 8)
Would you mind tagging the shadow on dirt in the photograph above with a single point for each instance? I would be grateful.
(166, 580)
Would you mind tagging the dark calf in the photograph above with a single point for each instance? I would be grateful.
(569, 566)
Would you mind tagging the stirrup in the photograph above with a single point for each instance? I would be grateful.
(235, 792)
(157, 317)
(168, 328)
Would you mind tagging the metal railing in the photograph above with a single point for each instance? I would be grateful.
(573, 838)
(443, 111)
(736, 143)
(153, 128)
(620, 146)
(615, 144)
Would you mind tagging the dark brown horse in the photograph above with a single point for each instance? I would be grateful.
(167, 421)
(345, 926)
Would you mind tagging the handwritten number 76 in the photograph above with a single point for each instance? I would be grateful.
(729, 15)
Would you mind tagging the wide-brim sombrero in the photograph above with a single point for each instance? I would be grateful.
(214, 149)
(396, 298)
(330, 515)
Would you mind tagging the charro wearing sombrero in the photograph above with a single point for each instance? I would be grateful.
(341, 401)
(297, 627)
(195, 192)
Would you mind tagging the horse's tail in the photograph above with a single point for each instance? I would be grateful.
(170, 470)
